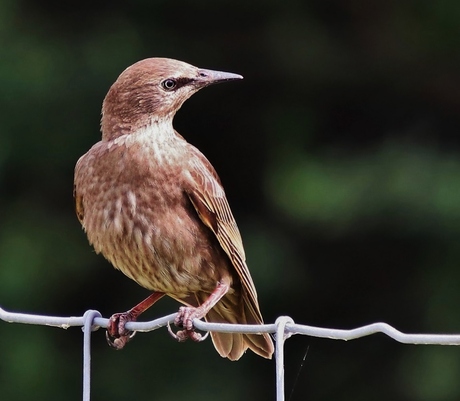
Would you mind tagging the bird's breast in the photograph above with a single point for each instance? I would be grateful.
(137, 214)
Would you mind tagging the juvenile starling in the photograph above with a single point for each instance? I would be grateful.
(154, 206)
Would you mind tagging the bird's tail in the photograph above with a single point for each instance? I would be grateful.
(238, 309)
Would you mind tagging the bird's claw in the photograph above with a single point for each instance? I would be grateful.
(185, 319)
(117, 335)
(179, 336)
(185, 316)
(118, 343)
(183, 335)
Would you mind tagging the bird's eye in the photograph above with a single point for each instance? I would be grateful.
(169, 84)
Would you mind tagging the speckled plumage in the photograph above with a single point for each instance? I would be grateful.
(154, 206)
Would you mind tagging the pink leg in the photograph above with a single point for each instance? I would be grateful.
(186, 314)
(117, 335)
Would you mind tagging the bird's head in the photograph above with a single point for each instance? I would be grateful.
(152, 90)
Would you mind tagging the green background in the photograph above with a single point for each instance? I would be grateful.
(340, 155)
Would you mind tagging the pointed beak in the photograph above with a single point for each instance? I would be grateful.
(209, 77)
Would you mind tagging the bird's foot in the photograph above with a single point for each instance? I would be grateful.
(182, 335)
(117, 335)
(184, 319)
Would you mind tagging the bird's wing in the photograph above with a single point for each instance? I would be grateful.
(78, 197)
(208, 198)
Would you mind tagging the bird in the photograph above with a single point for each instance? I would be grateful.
(153, 205)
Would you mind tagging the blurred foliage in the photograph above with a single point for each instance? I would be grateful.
(340, 155)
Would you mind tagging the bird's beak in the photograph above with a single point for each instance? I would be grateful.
(209, 77)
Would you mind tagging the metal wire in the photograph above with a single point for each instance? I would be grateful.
(283, 328)
(88, 326)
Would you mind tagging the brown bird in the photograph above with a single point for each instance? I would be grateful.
(154, 206)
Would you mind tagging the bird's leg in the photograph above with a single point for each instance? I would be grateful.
(186, 314)
(117, 335)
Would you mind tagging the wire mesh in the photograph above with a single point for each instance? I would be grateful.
(283, 328)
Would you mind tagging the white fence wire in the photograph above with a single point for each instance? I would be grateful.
(283, 328)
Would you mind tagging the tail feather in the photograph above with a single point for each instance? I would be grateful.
(235, 309)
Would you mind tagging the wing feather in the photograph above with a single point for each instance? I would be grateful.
(208, 198)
